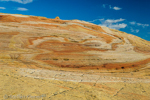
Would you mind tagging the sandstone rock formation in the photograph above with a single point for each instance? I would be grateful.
(70, 44)
(75, 46)
(57, 17)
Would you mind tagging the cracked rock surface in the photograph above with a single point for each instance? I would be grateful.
(13, 82)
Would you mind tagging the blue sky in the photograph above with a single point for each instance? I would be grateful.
(131, 16)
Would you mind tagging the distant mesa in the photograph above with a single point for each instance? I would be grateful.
(57, 17)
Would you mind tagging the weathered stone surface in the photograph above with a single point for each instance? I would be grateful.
(70, 60)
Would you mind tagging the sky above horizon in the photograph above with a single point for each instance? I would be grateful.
(131, 16)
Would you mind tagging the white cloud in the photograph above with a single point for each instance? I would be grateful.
(132, 23)
(114, 21)
(139, 24)
(2, 8)
(117, 26)
(104, 5)
(135, 31)
(117, 8)
(110, 7)
(94, 20)
(20, 1)
(143, 25)
(101, 19)
(22, 9)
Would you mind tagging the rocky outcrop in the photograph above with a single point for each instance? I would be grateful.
(54, 59)
(57, 17)
(70, 44)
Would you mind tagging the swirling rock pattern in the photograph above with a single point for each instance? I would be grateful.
(70, 44)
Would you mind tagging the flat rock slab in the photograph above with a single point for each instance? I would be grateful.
(77, 77)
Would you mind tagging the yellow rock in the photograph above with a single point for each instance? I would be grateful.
(57, 17)
(53, 59)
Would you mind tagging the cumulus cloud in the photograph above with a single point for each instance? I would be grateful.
(135, 31)
(110, 7)
(118, 26)
(113, 23)
(117, 8)
(2, 8)
(115, 26)
(134, 26)
(139, 24)
(143, 25)
(123, 24)
(20, 1)
(22, 9)
(132, 23)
